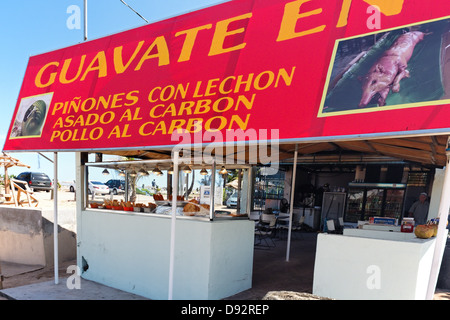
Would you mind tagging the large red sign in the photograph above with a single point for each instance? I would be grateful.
(313, 69)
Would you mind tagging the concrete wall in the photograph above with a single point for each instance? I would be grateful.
(213, 260)
(21, 236)
(26, 237)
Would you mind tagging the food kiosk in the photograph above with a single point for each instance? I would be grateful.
(213, 248)
(303, 79)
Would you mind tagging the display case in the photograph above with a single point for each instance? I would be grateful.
(148, 188)
(365, 200)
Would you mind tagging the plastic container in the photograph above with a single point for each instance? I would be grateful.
(407, 225)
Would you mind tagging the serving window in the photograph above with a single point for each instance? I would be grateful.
(146, 187)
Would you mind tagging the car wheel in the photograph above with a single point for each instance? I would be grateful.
(115, 191)
(71, 189)
(89, 191)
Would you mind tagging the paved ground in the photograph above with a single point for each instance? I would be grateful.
(271, 272)
(66, 289)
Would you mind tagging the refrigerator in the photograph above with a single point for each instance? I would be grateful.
(333, 206)
(365, 200)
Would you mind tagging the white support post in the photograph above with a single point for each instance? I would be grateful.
(55, 216)
(291, 207)
(238, 205)
(212, 190)
(441, 238)
(249, 191)
(85, 21)
(173, 220)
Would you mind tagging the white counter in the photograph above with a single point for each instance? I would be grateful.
(380, 227)
(130, 251)
(361, 265)
(379, 234)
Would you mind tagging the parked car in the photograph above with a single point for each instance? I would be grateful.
(232, 201)
(36, 180)
(97, 187)
(72, 186)
(116, 186)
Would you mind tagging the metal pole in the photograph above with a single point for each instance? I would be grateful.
(172, 228)
(238, 204)
(249, 191)
(212, 190)
(55, 216)
(186, 181)
(291, 208)
(441, 235)
(85, 21)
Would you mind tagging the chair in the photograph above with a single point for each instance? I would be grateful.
(283, 225)
(17, 184)
(297, 224)
(265, 229)
(331, 227)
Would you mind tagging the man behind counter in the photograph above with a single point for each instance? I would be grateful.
(419, 209)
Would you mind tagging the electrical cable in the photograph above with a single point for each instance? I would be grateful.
(134, 11)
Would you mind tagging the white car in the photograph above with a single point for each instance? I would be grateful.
(232, 201)
(97, 187)
(94, 186)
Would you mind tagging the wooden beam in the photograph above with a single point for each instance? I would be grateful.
(407, 143)
(405, 153)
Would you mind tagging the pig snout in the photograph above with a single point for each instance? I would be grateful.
(366, 97)
(370, 87)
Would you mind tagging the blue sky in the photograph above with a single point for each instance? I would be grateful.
(31, 27)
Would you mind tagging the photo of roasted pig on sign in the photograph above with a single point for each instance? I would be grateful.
(30, 117)
(401, 68)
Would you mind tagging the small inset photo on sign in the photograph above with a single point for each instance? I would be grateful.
(399, 68)
(31, 115)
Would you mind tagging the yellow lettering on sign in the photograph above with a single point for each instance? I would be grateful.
(100, 60)
(65, 67)
(191, 35)
(222, 32)
(118, 59)
(290, 18)
(51, 78)
(343, 17)
(387, 7)
(162, 53)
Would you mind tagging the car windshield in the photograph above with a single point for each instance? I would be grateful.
(39, 176)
